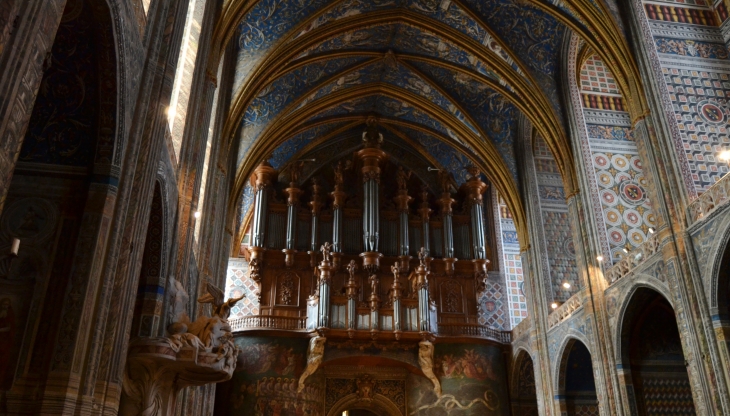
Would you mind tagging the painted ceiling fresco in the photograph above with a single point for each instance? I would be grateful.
(450, 75)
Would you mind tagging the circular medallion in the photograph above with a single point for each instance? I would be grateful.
(632, 193)
(608, 197)
(613, 217)
(568, 246)
(637, 237)
(616, 235)
(711, 112)
(601, 161)
(605, 179)
(620, 162)
(632, 217)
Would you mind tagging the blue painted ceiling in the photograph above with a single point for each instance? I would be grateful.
(460, 58)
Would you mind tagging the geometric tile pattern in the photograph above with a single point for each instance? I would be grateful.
(667, 395)
(558, 230)
(594, 76)
(619, 175)
(514, 279)
(493, 310)
(700, 104)
(239, 283)
(516, 302)
(680, 14)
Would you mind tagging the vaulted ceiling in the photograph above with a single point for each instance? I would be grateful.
(448, 78)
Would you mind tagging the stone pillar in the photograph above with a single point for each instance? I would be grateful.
(351, 288)
(316, 205)
(261, 181)
(447, 213)
(371, 157)
(395, 296)
(325, 280)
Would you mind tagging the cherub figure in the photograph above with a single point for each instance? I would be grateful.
(326, 250)
(215, 298)
(402, 178)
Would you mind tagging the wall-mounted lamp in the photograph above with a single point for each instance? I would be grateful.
(599, 258)
(651, 230)
(566, 285)
(196, 214)
(554, 305)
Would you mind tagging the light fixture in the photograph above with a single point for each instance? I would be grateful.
(599, 258)
(724, 155)
(554, 305)
(196, 214)
(625, 250)
(566, 285)
(652, 230)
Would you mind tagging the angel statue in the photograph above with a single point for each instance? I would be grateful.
(326, 250)
(215, 298)
(422, 255)
(402, 178)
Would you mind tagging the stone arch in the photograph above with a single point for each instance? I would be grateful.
(380, 404)
(523, 389)
(577, 392)
(652, 356)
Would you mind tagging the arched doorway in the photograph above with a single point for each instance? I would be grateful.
(524, 392)
(59, 204)
(577, 385)
(358, 412)
(720, 308)
(652, 348)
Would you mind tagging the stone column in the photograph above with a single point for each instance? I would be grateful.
(338, 205)
(292, 201)
(325, 280)
(447, 213)
(316, 205)
(261, 181)
(401, 202)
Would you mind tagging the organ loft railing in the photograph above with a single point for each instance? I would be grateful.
(353, 268)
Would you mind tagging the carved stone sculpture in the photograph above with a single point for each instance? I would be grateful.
(193, 354)
(314, 359)
(425, 361)
(402, 178)
(326, 250)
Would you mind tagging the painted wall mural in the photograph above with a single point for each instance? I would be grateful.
(266, 379)
(473, 381)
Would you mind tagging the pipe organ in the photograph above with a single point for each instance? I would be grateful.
(372, 230)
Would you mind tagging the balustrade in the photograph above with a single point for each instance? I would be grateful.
(710, 200)
(633, 259)
(566, 310)
(290, 323)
